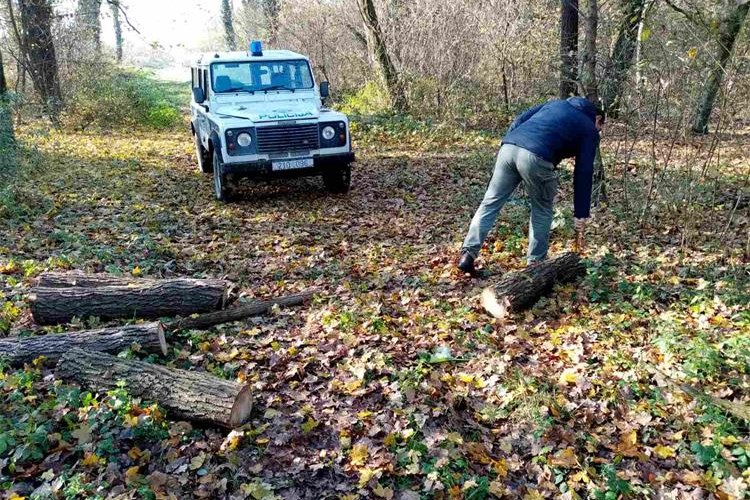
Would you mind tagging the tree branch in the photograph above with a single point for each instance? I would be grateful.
(695, 18)
(117, 4)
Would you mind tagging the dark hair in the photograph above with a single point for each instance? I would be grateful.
(600, 112)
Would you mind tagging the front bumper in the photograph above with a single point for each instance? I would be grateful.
(262, 168)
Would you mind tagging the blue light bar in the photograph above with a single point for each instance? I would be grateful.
(256, 48)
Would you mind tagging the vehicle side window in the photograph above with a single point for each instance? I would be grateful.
(205, 82)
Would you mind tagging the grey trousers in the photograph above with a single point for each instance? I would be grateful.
(513, 166)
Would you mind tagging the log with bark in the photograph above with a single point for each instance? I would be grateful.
(149, 299)
(80, 279)
(185, 394)
(518, 291)
(236, 313)
(149, 337)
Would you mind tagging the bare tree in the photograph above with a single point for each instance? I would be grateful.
(6, 121)
(34, 39)
(271, 9)
(380, 56)
(588, 56)
(88, 23)
(115, 7)
(728, 30)
(568, 47)
(230, 39)
(621, 57)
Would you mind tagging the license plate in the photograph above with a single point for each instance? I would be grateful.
(292, 164)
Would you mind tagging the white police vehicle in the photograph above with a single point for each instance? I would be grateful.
(259, 114)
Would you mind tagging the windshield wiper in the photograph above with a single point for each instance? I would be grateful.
(278, 87)
(236, 89)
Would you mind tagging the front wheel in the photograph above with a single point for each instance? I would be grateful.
(338, 180)
(221, 188)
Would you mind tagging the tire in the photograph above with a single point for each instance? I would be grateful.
(338, 180)
(221, 185)
(202, 156)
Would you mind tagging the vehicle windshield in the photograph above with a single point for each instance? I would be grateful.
(260, 76)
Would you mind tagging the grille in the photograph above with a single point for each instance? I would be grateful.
(285, 138)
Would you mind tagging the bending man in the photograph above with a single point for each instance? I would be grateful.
(537, 140)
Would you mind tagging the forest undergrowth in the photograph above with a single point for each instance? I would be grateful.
(393, 383)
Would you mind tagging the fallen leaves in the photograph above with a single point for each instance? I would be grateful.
(358, 454)
(393, 385)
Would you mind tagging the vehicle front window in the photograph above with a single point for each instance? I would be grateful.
(260, 76)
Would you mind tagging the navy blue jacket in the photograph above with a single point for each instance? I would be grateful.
(562, 129)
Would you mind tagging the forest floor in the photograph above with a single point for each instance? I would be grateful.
(572, 397)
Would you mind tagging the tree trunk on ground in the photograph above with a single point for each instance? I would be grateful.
(568, 48)
(174, 297)
(518, 291)
(7, 138)
(149, 336)
(79, 279)
(39, 51)
(184, 394)
(621, 58)
(230, 39)
(88, 24)
(205, 321)
(115, 7)
(728, 32)
(381, 57)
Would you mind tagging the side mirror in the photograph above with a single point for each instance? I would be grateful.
(325, 91)
(199, 95)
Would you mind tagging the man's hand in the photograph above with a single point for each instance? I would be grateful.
(580, 228)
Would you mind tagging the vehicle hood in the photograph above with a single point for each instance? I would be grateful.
(271, 111)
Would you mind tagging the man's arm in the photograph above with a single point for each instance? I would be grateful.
(525, 116)
(583, 176)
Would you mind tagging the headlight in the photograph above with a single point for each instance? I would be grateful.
(328, 133)
(244, 139)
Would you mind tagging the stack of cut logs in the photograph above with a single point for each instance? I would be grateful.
(86, 356)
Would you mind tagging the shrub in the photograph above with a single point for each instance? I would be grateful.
(106, 96)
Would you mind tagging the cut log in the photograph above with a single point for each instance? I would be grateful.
(518, 291)
(173, 297)
(19, 350)
(79, 279)
(205, 321)
(184, 394)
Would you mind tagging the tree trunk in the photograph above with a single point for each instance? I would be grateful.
(728, 32)
(205, 321)
(19, 350)
(39, 52)
(77, 278)
(381, 57)
(621, 58)
(88, 23)
(568, 48)
(518, 291)
(7, 138)
(115, 7)
(588, 58)
(271, 10)
(230, 39)
(184, 394)
(174, 297)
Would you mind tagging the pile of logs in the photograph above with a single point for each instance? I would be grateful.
(87, 357)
